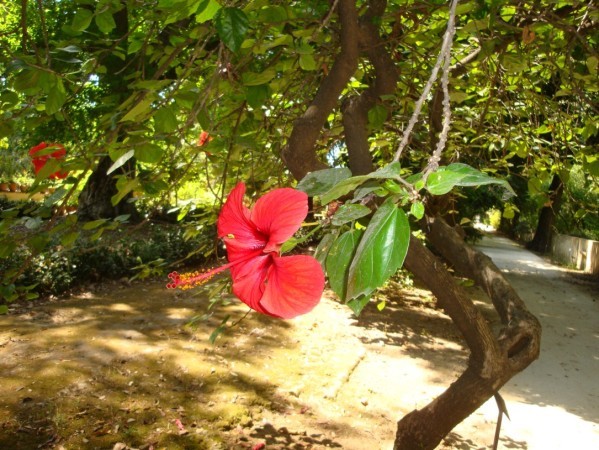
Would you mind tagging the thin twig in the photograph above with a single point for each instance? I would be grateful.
(445, 50)
(326, 20)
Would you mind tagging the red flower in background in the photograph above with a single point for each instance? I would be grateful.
(279, 286)
(40, 161)
(204, 138)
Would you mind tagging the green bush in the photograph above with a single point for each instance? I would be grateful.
(126, 252)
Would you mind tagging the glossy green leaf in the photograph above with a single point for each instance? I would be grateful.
(154, 187)
(232, 25)
(321, 181)
(447, 177)
(358, 304)
(338, 261)
(307, 62)
(124, 186)
(349, 212)
(256, 95)
(69, 239)
(381, 251)
(207, 10)
(94, 224)
(345, 186)
(417, 210)
(139, 110)
(377, 116)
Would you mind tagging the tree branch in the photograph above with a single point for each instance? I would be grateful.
(355, 109)
(445, 50)
(299, 155)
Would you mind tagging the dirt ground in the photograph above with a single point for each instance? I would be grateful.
(118, 367)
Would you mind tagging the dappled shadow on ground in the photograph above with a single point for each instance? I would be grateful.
(413, 323)
(120, 365)
(284, 439)
(456, 441)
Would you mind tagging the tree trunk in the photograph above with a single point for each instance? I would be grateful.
(95, 200)
(494, 359)
(541, 241)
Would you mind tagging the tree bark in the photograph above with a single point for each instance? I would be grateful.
(94, 202)
(355, 109)
(299, 154)
(541, 241)
(494, 359)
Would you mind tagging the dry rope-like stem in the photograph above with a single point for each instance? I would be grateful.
(433, 162)
(442, 60)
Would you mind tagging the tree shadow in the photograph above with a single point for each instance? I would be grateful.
(282, 438)
(457, 442)
(120, 365)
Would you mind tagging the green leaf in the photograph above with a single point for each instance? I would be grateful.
(391, 171)
(349, 212)
(219, 330)
(307, 62)
(417, 210)
(323, 248)
(338, 261)
(139, 110)
(256, 79)
(120, 161)
(207, 10)
(256, 95)
(148, 153)
(377, 116)
(124, 186)
(381, 252)
(56, 97)
(232, 25)
(447, 177)
(358, 304)
(82, 19)
(69, 239)
(154, 187)
(165, 120)
(3, 309)
(94, 224)
(321, 181)
(105, 21)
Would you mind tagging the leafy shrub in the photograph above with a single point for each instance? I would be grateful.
(123, 253)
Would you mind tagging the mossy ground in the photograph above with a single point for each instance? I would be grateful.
(119, 367)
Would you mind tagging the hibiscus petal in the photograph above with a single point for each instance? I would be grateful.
(279, 214)
(248, 280)
(234, 224)
(294, 286)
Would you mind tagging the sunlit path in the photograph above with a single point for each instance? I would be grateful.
(553, 404)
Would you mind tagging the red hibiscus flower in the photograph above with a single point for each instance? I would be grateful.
(279, 286)
(204, 138)
(40, 161)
